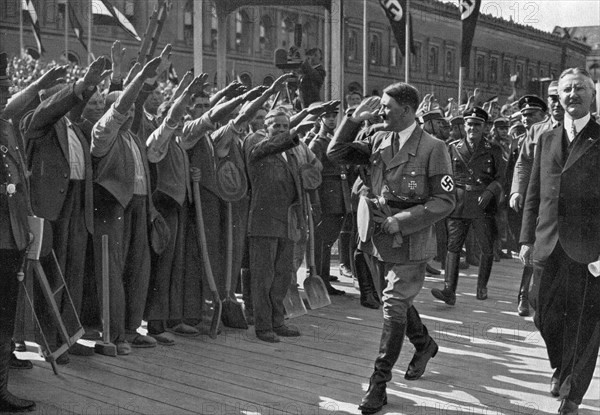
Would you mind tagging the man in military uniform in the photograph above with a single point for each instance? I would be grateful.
(479, 174)
(14, 238)
(522, 171)
(533, 110)
(411, 180)
(334, 196)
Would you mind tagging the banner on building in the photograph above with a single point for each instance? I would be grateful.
(396, 12)
(469, 12)
(105, 13)
(30, 15)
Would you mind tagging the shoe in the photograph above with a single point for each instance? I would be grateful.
(285, 331)
(140, 341)
(164, 339)
(91, 334)
(63, 359)
(554, 383)
(345, 271)
(523, 307)
(81, 350)
(482, 293)
(417, 365)
(184, 330)
(20, 346)
(16, 363)
(334, 291)
(568, 407)
(483, 276)
(448, 293)
(367, 407)
(333, 278)
(123, 348)
(432, 271)
(505, 256)
(268, 336)
(370, 301)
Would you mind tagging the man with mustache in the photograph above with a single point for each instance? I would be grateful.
(559, 238)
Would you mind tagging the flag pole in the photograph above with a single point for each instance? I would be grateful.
(365, 48)
(407, 44)
(21, 46)
(460, 83)
(66, 17)
(90, 17)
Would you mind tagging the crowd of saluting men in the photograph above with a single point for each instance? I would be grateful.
(401, 181)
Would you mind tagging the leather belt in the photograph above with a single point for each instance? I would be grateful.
(470, 187)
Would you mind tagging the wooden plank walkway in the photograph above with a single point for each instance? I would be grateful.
(491, 361)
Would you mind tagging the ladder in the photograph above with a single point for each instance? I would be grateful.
(55, 292)
(153, 31)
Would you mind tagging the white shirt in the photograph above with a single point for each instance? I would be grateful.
(579, 125)
(405, 134)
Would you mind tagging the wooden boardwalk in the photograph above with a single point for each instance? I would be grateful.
(491, 362)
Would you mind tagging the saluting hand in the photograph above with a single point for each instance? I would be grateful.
(366, 110)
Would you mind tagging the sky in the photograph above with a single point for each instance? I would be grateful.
(544, 14)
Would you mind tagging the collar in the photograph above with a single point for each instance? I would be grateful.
(579, 123)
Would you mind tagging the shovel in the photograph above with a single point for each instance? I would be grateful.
(216, 300)
(314, 287)
(105, 347)
(294, 306)
(233, 315)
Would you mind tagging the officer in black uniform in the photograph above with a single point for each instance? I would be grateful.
(14, 238)
(479, 174)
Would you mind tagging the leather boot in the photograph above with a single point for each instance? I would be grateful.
(485, 269)
(390, 346)
(523, 307)
(448, 294)
(247, 296)
(9, 402)
(368, 295)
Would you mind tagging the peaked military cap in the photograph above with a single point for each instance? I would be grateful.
(457, 120)
(553, 88)
(532, 102)
(435, 114)
(501, 122)
(476, 113)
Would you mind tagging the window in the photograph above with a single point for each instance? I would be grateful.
(507, 71)
(480, 68)
(394, 56)
(352, 45)
(432, 61)
(449, 63)
(265, 33)
(268, 80)
(129, 9)
(243, 32)
(50, 11)
(188, 23)
(530, 74)
(375, 48)
(519, 71)
(494, 70)
(415, 62)
(214, 29)
(287, 32)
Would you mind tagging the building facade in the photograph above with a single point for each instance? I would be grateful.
(500, 47)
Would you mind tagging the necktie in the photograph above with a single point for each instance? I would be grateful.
(395, 143)
(573, 132)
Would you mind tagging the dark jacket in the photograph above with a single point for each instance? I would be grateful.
(46, 134)
(483, 170)
(563, 196)
(14, 207)
(275, 207)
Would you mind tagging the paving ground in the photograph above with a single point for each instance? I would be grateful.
(491, 361)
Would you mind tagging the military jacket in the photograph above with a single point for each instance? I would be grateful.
(475, 171)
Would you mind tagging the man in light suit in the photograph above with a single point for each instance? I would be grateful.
(560, 236)
(411, 177)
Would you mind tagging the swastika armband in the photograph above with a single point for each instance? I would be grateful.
(442, 183)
